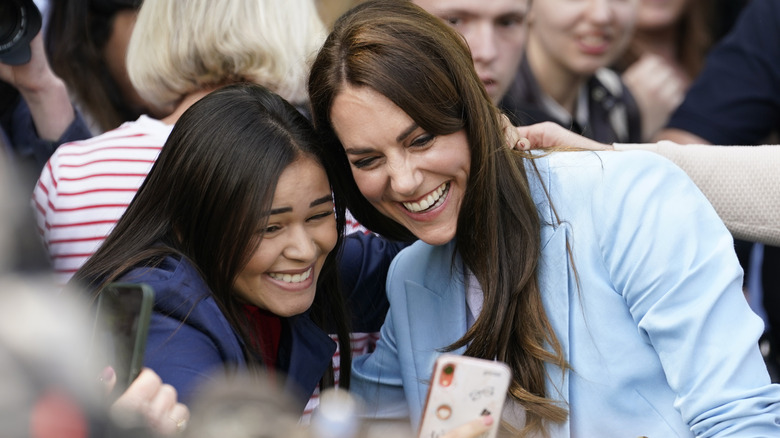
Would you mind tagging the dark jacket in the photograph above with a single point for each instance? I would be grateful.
(608, 112)
(190, 341)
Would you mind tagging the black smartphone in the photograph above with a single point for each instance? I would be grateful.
(121, 326)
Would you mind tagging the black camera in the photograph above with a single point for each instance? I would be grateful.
(20, 21)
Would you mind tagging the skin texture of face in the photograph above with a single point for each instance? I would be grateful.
(281, 275)
(570, 39)
(407, 174)
(659, 14)
(495, 30)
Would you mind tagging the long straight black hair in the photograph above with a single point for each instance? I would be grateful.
(207, 195)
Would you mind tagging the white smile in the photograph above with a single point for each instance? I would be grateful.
(291, 278)
(594, 40)
(433, 200)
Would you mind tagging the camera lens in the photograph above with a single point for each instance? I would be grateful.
(11, 22)
(20, 21)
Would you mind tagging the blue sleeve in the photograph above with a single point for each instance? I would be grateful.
(672, 260)
(736, 98)
(28, 146)
(181, 355)
(190, 342)
(363, 267)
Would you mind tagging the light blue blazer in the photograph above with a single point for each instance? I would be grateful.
(658, 333)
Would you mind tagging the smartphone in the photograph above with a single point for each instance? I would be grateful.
(121, 327)
(462, 389)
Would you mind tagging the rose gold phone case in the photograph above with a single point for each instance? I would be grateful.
(461, 389)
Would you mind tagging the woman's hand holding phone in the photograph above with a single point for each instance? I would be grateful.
(465, 397)
(472, 429)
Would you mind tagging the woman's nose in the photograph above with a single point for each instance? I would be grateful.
(300, 245)
(405, 177)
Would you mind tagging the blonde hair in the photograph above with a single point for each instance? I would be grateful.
(181, 46)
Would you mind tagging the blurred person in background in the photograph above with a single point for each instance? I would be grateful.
(36, 114)
(86, 41)
(495, 31)
(665, 55)
(563, 76)
(49, 386)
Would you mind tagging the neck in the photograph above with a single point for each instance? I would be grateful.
(185, 102)
(558, 82)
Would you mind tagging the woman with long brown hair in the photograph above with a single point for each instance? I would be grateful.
(605, 281)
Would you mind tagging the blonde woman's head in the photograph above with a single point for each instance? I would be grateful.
(180, 47)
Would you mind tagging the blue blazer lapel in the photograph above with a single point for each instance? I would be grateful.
(556, 286)
(441, 295)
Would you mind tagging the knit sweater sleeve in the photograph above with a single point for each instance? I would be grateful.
(740, 181)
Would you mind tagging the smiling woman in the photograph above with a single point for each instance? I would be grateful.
(563, 77)
(604, 280)
(281, 274)
(237, 231)
(419, 179)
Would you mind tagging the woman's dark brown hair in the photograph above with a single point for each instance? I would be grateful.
(207, 195)
(75, 42)
(425, 68)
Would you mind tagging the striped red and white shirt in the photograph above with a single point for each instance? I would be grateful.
(87, 185)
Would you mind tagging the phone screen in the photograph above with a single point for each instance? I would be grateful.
(123, 315)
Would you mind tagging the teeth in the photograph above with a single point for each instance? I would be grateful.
(593, 40)
(431, 201)
(288, 278)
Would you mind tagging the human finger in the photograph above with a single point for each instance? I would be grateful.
(551, 135)
(165, 415)
(107, 378)
(472, 429)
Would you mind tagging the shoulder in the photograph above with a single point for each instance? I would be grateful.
(565, 184)
(143, 132)
(128, 150)
(421, 261)
(177, 285)
(598, 168)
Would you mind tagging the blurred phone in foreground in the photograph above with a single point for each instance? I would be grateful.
(462, 389)
(121, 327)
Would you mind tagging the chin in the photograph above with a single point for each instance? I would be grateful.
(436, 239)
(292, 309)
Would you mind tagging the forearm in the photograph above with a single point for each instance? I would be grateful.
(50, 107)
(739, 181)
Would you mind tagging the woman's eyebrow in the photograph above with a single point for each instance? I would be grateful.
(320, 201)
(406, 132)
(401, 137)
(314, 203)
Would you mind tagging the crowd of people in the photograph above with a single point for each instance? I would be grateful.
(325, 196)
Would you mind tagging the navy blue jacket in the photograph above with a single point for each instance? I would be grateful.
(736, 98)
(190, 340)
